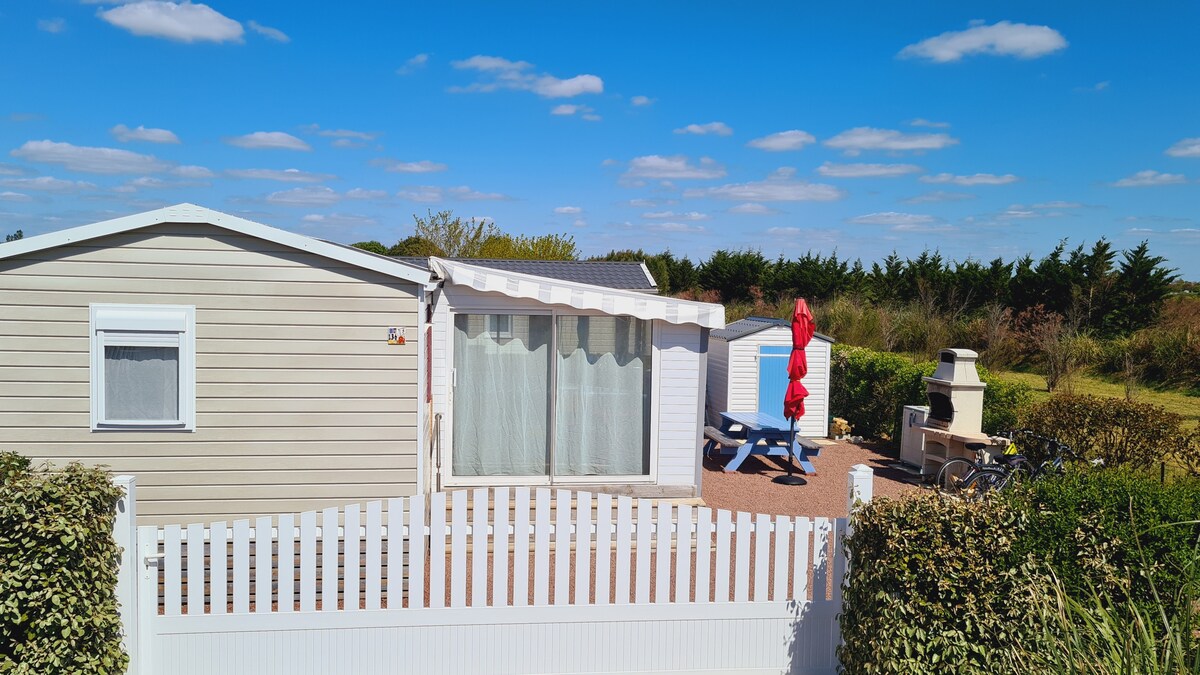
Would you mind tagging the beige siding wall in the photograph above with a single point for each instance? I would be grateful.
(301, 403)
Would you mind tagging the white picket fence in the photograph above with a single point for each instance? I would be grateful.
(503, 580)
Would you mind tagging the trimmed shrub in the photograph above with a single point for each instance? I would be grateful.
(869, 389)
(1118, 431)
(58, 570)
(935, 585)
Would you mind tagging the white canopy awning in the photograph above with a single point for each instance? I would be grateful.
(579, 296)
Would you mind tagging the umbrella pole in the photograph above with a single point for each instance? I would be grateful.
(790, 479)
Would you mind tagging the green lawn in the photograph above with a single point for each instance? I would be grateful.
(1174, 401)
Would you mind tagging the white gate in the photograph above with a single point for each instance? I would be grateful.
(499, 581)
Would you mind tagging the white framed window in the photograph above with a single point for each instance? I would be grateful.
(143, 367)
(500, 326)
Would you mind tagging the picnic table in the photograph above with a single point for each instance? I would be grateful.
(758, 433)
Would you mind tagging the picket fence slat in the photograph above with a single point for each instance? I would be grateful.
(458, 548)
(779, 589)
(308, 561)
(839, 561)
(500, 563)
(762, 555)
(171, 577)
(583, 549)
(662, 553)
(820, 566)
(352, 560)
(241, 566)
(521, 548)
(741, 577)
(562, 547)
(624, 536)
(704, 531)
(263, 544)
(683, 554)
(479, 547)
(373, 582)
(603, 546)
(541, 549)
(195, 568)
(416, 551)
(644, 523)
(437, 549)
(285, 553)
(329, 558)
(801, 561)
(393, 578)
(722, 572)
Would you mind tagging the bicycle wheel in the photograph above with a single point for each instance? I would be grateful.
(983, 482)
(951, 478)
(1021, 471)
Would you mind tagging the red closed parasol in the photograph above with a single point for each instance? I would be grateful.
(802, 332)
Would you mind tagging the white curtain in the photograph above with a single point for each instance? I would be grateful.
(141, 383)
(602, 406)
(501, 399)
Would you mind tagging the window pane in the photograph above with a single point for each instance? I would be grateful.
(501, 400)
(141, 383)
(602, 406)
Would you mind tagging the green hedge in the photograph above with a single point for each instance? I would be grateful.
(869, 389)
(934, 585)
(58, 571)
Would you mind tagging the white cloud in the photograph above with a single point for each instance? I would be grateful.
(922, 122)
(56, 25)
(671, 215)
(341, 133)
(339, 219)
(753, 209)
(780, 186)
(312, 195)
(500, 73)
(269, 140)
(1000, 39)
(125, 134)
(8, 196)
(89, 160)
(584, 111)
(12, 170)
(47, 184)
(191, 171)
(892, 218)
(422, 166)
(781, 141)
(413, 65)
(1099, 86)
(974, 179)
(673, 167)
(568, 210)
(866, 170)
(1188, 147)
(182, 22)
(641, 100)
(1058, 205)
(432, 193)
(939, 196)
(284, 176)
(675, 227)
(271, 33)
(1150, 178)
(715, 128)
(363, 193)
(854, 141)
(146, 183)
(922, 227)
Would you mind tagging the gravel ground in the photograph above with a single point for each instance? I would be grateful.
(750, 487)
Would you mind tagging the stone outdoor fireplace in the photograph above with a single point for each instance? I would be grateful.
(955, 417)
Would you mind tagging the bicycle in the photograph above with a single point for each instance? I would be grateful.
(963, 476)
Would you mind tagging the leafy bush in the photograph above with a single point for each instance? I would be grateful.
(1118, 431)
(869, 388)
(935, 585)
(58, 571)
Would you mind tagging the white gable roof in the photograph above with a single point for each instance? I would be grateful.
(190, 213)
(580, 296)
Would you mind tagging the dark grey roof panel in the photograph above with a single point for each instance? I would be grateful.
(631, 276)
(755, 324)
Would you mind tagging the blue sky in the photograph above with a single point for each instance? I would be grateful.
(979, 129)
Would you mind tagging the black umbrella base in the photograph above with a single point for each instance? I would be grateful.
(788, 479)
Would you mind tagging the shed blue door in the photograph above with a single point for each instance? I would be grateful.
(772, 378)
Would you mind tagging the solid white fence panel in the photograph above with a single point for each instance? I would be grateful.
(241, 566)
(500, 557)
(195, 568)
(762, 555)
(521, 548)
(583, 548)
(783, 528)
(329, 558)
(722, 571)
(704, 531)
(603, 546)
(479, 547)
(458, 548)
(801, 561)
(417, 547)
(683, 554)
(286, 562)
(393, 578)
(820, 564)
(624, 537)
(541, 549)
(352, 558)
(218, 573)
(662, 553)
(171, 576)
(373, 582)
(308, 561)
(263, 544)
(741, 576)
(562, 547)
(644, 524)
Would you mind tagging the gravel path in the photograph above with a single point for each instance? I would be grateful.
(750, 488)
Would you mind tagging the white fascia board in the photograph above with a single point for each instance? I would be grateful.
(190, 213)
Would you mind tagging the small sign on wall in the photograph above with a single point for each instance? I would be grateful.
(395, 336)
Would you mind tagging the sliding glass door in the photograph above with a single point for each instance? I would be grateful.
(540, 396)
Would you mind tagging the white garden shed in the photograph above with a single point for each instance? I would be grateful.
(747, 372)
